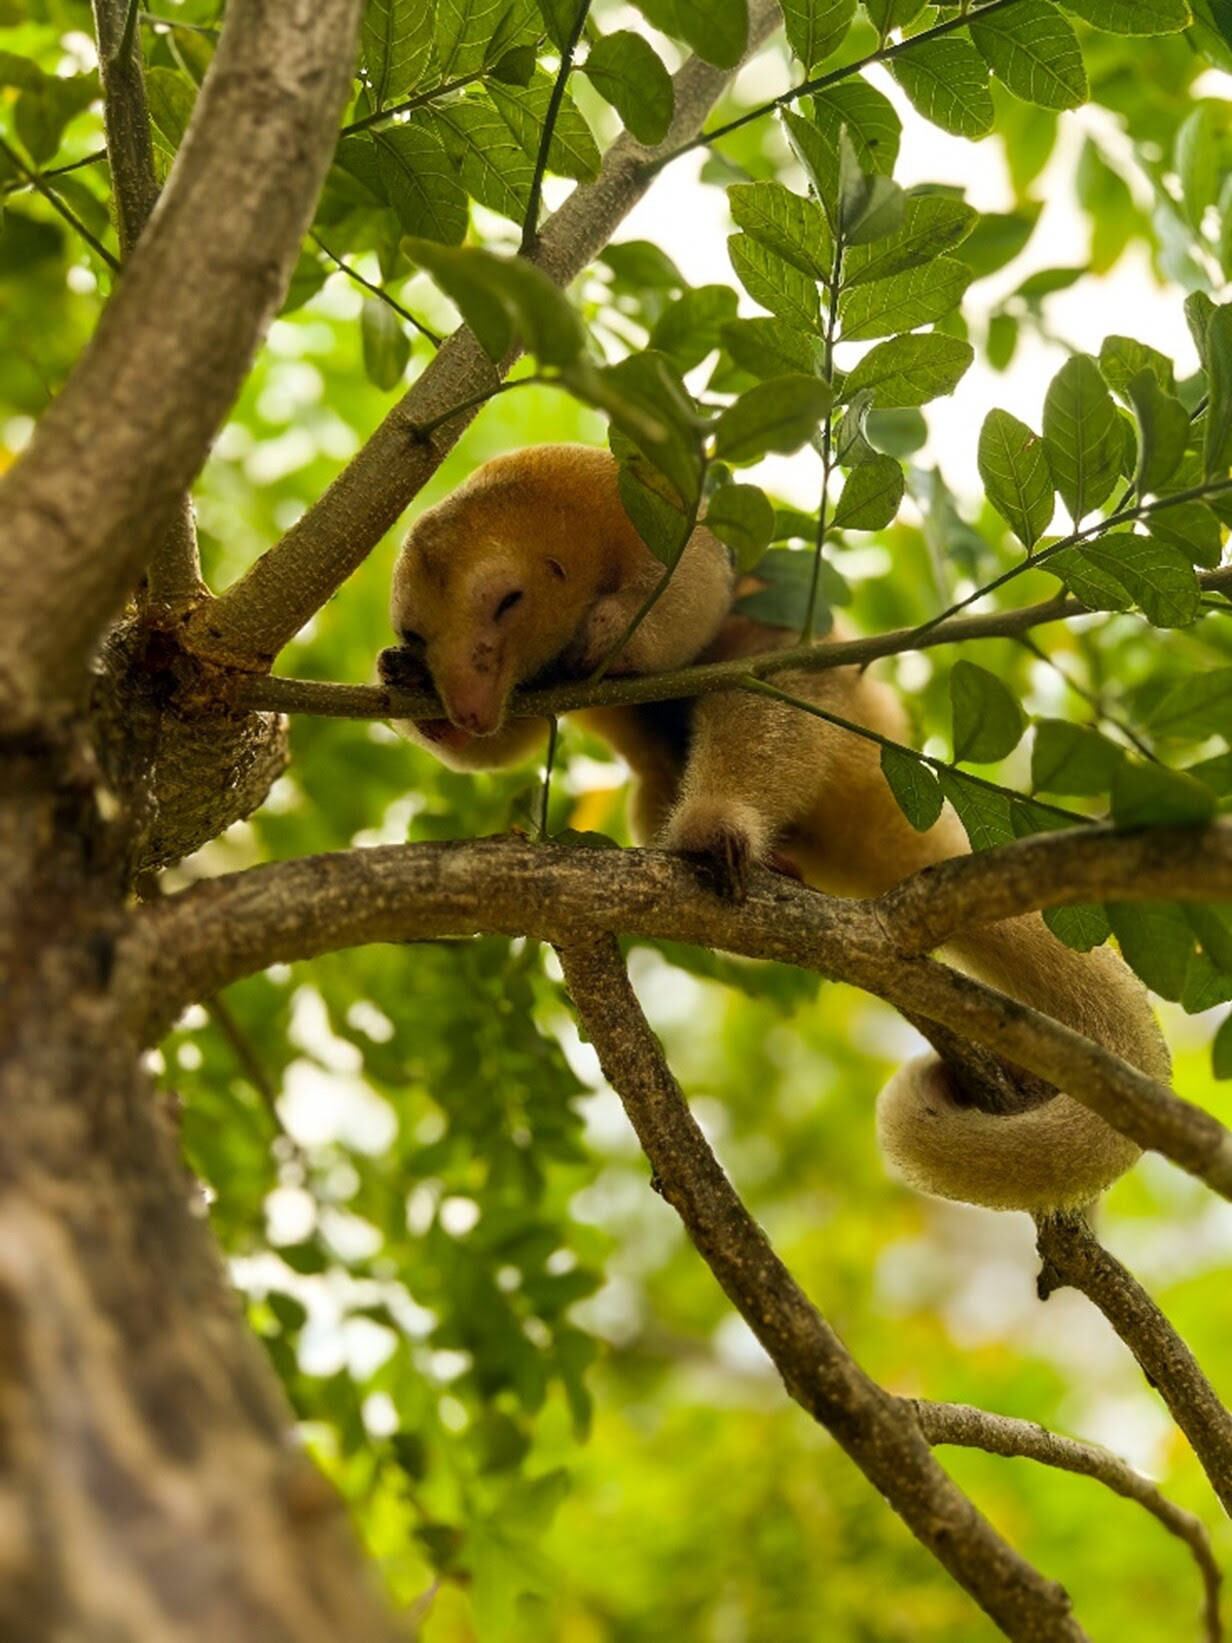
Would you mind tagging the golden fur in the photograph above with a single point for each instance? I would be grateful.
(736, 778)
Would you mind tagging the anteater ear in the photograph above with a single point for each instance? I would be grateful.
(557, 569)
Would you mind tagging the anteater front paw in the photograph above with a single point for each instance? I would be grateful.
(725, 839)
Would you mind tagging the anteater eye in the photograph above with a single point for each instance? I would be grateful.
(410, 637)
(508, 602)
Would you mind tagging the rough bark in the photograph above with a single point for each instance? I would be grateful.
(98, 485)
(231, 926)
(879, 1433)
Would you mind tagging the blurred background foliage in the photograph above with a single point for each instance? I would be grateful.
(545, 1418)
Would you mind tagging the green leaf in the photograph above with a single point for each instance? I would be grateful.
(49, 104)
(692, 326)
(717, 30)
(998, 237)
(560, 16)
(793, 227)
(984, 814)
(916, 297)
(947, 82)
(1198, 311)
(1221, 1050)
(1082, 927)
(1121, 359)
(931, 224)
(572, 151)
(1032, 48)
(647, 401)
(1133, 16)
(386, 346)
(1157, 576)
(1069, 758)
(1094, 586)
(481, 284)
(481, 299)
(887, 15)
(470, 34)
(872, 123)
(1217, 439)
(1156, 942)
(1197, 158)
(625, 70)
(419, 182)
(1163, 426)
(1151, 795)
(662, 527)
(914, 786)
(741, 516)
(897, 433)
(494, 168)
(815, 28)
(870, 205)
(1017, 479)
(1213, 928)
(871, 496)
(397, 43)
(988, 720)
(910, 370)
(171, 97)
(769, 347)
(774, 283)
(1199, 706)
(779, 415)
(1001, 342)
(1082, 436)
(782, 601)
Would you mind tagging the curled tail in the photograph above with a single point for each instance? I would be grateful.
(1058, 1154)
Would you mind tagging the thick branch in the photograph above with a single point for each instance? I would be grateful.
(256, 617)
(174, 576)
(191, 945)
(878, 1432)
(959, 1423)
(374, 702)
(1057, 870)
(84, 505)
(1073, 1257)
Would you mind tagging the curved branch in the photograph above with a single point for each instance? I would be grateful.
(878, 1432)
(255, 618)
(174, 575)
(1073, 1257)
(1057, 870)
(93, 492)
(189, 946)
(959, 1423)
(266, 693)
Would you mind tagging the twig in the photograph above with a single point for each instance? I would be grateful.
(1074, 1257)
(1092, 698)
(377, 291)
(823, 82)
(959, 1423)
(545, 793)
(56, 171)
(423, 431)
(274, 693)
(760, 687)
(35, 180)
(833, 286)
(530, 223)
(420, 100)
(879, 1433)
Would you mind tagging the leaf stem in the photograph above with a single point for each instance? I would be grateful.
(833, 286)
(530, 225)
(377, 291)
(549, 762)
(36, 181)
(419, 100)
(762, 687)
(423, 430)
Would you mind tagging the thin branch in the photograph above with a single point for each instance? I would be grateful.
(90, 496)
(277, 694)
(197, 942)
(530, 223)
(1091, 697)
(545, 792)
(378, 291)
(1073, 1257)
(959, 1423)
(173, 580)
(879, 1433)
(759, 687)
(425, 430)
(823, 82)
(36, 180)
(257, 616)
(55, 171)
(833, 286)
(1123, 515)
(421, 99)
